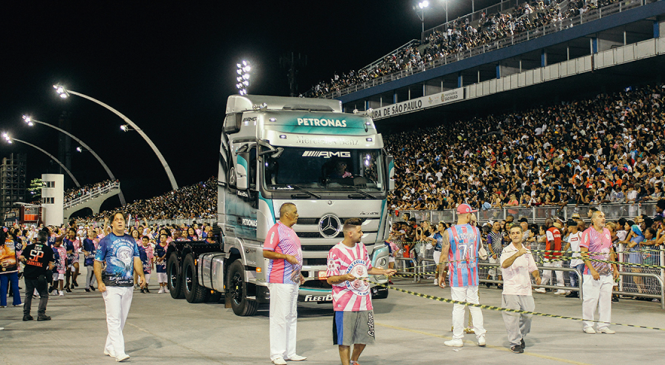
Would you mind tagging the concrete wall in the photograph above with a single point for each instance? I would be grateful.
(53, 198)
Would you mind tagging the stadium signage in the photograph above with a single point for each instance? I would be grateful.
(419, 104)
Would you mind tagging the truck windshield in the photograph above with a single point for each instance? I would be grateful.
(325, 169)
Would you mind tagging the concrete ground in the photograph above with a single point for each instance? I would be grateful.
(409, 330)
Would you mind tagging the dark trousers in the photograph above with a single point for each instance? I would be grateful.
(5, 281)
(41, 286)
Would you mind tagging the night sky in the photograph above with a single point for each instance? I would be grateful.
(169, 67)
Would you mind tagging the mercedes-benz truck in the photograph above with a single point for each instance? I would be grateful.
(330, 164)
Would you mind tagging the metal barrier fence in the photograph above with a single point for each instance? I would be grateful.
(535, 214)
(556, 26)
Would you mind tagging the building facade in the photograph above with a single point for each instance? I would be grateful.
(12, 181)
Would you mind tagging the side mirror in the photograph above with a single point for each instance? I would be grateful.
(241, 170)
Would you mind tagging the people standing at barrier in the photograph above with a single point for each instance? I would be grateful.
(160, 263)
(72, 245)
(633, 244)
(599, 277)
(349, 266)
(612, 227)
(8, 269)
(461, 242)
(495, 244)
(38, 259)
(516, 264)
(552, 256)
(574, 239)
(438, 236)
(120, 253)
(282, 248)
(89, 250)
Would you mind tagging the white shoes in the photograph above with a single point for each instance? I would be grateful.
(541, 290)
(122, 358)
(606, 330)
(481, 341)
(61, 293)
(297, 358)
(166, 289)
(161, 290)
(107, 353)
(436, 282)
(590, 330)
(454, 343)
(279, 361)
(560, 292)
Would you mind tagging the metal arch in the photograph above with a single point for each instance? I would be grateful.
(52, 157)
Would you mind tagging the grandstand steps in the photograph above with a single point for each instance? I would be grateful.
(93, 201)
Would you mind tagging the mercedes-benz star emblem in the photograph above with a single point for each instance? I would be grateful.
(329, 226)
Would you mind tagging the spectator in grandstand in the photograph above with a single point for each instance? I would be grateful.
(573, 244)
(552, 256)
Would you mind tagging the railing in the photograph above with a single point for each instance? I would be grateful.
(92, 194)
(536, 214)
(556, 26)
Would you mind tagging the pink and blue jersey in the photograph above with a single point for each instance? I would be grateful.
(599, 245)
(284, 240)
(463, 255)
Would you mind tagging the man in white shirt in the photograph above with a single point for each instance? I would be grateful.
(516, 264)
(574, 239)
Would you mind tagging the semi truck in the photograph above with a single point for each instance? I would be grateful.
(273, 150)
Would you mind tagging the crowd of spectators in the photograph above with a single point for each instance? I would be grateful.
(461, 35)
(72, 194)
(608, 149)
(193, 201)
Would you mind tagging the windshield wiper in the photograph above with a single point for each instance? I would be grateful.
(364, 194)
(307, 191)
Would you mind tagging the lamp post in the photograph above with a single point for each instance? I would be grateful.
(31, 122)
(9, 139)
(421, 7)
(64, 94)
(242, 80)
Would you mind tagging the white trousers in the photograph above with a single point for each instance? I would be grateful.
(118, 299)
(283, 320)
(547, 274)
(466, 294)
(597, 294)
(89, 276)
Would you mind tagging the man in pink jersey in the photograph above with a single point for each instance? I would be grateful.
(461, 243)
(348, 266)
(598, 277)
(282, 247)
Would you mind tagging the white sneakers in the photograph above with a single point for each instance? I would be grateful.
(481, 341)
(166, 289)
(590, 330)
(541, 290)
(61, 293)
(121, 358)
(279, 361)
(560, 292)
(606, 330)
(161, 290)
(436, 282)
(107, 353)
(297, 358)
(454, 343)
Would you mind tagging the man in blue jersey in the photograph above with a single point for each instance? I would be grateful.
(120, 252)
(459, 254)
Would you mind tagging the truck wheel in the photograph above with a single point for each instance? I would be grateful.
(237, 291)
(194, 293)
(173, 277)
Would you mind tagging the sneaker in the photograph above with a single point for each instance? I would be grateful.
(606, 330)
(142, 291)
(107, 353)
(517, 349)
(436, 282)
(297, 358)
(541, 290)
(560, 292)
(147, 290)
(615, 298)
(590, 330)
(573, 294)
(481, 341)
(92, 288)
(454, 343)
(75, 284)
(43, 317)
(27, 317)
(121, 358)
(61, 293)
(68, 290)
(17, 305)
(354, 363)
(166, 290)
(87, 290)
(3, 306)
(279, 361)
(161, 290)
(523, 344)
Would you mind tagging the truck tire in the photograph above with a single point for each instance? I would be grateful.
(237, 291)
(194, 293)
(174, 277)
